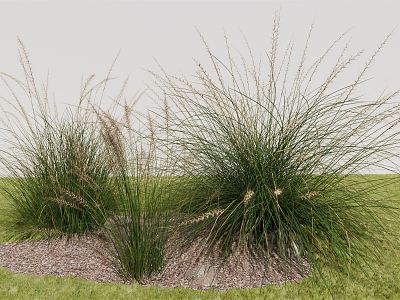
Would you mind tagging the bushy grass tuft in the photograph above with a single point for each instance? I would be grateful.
(139, 230)
(60, 174)
(269, 152)
(61, 182)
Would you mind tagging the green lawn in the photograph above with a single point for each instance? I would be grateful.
(382, 283)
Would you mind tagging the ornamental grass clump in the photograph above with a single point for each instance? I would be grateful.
(273, 154)
(59, 178)
(139, 230)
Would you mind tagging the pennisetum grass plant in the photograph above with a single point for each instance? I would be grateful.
(273, 154)
(57, 165)
(83, 171)
(139, 230)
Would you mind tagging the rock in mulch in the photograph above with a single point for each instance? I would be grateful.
(191, 267)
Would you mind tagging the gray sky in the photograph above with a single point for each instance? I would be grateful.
(72, 39)
(76, 38)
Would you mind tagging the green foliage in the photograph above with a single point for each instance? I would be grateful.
(59, 167)
(139, 230)
(266, 160)
(61, 182)
(269, 153)
(382, 283)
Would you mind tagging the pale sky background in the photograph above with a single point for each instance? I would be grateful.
(72, 39)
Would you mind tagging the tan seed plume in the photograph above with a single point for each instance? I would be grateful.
(248, 196)
(212, 213)
(277, 192)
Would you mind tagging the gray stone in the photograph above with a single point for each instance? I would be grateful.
(202, 275)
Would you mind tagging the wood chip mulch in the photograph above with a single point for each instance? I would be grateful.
(83, 257)
(76, 256)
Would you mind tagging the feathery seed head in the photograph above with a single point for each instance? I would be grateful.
(248, 196)
(277, 192)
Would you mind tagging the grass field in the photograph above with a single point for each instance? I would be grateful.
(382, 282)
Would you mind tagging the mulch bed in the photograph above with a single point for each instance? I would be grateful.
(82, 257)
(76, 256)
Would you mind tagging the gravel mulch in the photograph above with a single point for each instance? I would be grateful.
(192, 268)
(77, 257)
(80, 257)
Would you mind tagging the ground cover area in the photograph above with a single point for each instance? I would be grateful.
(381, 281)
